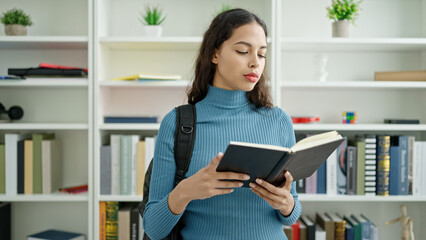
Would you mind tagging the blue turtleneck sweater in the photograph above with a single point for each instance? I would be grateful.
(222, 116)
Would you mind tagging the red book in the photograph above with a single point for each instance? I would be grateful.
(296, 231)
(304, 119)
(50, 65)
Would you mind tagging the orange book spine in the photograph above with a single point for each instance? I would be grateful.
(102, 221)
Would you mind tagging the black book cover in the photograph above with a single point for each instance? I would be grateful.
(5, 226)
(269, 162)
(21, 166)
(134, 222)
(310, 226)
(46, 72)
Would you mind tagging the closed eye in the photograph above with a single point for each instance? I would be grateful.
(241, 52)
(262, 56)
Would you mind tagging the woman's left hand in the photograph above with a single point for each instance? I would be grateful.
(279, 198)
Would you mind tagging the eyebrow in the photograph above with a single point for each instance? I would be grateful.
(248, 44)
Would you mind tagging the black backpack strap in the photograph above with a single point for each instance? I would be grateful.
(186, 119)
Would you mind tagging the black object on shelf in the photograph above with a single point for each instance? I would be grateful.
(46, 72)
(402, 121)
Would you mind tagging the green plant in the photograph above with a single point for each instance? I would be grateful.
(16, 16)
(344, 10)
(152, 16)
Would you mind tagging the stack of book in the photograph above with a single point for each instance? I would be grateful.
(332, 226)
(150, 77)
(400, 76)
(30, 164)
(48, 70)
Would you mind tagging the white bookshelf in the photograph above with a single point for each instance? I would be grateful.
(62, 34)
(389, 36)
(108, 38)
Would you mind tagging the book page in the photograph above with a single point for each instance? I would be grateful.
(263, 146)
(316, 140)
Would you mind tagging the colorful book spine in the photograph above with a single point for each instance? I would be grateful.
(403, 143)
(383, 165)
(341, 168)
(351, 170)
(102, 221)
(370, 165)
(112, 220)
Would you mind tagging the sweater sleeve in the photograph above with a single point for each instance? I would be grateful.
(158, 220)
(289, 141)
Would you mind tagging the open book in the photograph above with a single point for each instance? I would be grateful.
(269, 162)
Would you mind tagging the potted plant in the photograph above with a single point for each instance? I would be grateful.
(343, 13)
(15, 21)
(152, 19)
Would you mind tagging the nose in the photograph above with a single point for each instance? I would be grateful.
(254, 61)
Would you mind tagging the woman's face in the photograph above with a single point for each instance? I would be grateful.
(240, 60)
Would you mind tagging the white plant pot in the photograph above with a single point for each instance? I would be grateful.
(153, 30)
(15, 30)
(341, 28)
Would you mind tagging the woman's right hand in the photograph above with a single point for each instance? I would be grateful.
(205, 183)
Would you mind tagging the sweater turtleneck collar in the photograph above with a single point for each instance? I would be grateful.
(225, 98)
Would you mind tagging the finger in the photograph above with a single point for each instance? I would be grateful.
(222, 191)
(288, 180)
(265, 194)
(271, 188)
(233, 176)
(228, 184)
(216, 160)
(258, 191)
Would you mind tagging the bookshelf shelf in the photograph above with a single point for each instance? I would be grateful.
(145, 126)
(44, 126)
(43, 42)
(162, 43)
(54, 197)
(359, 127)
(353, 44)
(353, 84)
(357, 198)
(120, 198)
(154, 84)
(45, 83)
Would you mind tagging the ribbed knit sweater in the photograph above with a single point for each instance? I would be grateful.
(222, 116)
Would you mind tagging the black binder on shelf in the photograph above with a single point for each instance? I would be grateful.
(46, 72)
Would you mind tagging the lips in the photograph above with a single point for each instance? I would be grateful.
(252, 77)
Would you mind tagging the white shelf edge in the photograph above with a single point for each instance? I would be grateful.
(360, 127)
(54, 197)
(354, 40)
(111, 83)
(132, 126)
(44, 126)
(353, 84)
(45, 83)
(141, 39)
(120, 198)
(76, 39)
(359, 198)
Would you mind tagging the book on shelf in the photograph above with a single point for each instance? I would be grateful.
(292, 232)
(301, 160)
(310, 226)
(56, 234)
(24, 72)
(322, 178)
(339, 226)
(105, 170)
(325, 223)
(400, 76)
(51, 65)
(365, 225)
(359, 143)
(150, 77)
(51, 166)
(331, 173)
(401, 121)
(351, 164)
(11, 162)
(341, 166)
(75, 189)
(102, 220)
(2, 169)
(370, 165)
(353, 229)
(320, 233)
(5, 220)
(303, 231)
(383, 164)
(112, 220)
(124, 226)
(28, 166)
(398, 173)
(38, 139)
(128, 119)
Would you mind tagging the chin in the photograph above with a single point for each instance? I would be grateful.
(248, 87)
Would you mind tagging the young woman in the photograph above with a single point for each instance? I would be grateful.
(233, 104)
